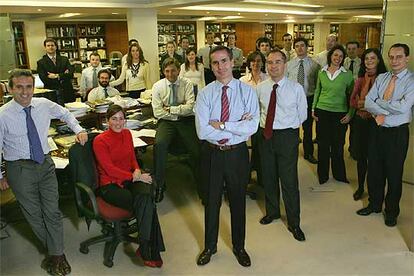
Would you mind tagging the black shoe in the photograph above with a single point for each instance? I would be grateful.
(390, 221)
(297, 233)
(268, 219)
(323, 181)
(242, 257)
(205, 256)
(159, 194)
(358, 194)
(311, 159)
(367, 211)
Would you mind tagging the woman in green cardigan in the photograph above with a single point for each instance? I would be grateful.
(331, 112)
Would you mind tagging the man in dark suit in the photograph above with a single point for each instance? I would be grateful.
(56, 72)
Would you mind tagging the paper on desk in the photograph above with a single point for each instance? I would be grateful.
(52, 144)
(60, 163)
(144, 132)
(138, 142)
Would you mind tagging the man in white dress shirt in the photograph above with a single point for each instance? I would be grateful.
(283, 109)
(237, 55)
(103, 91)
(352, 62)
(287, 46)
(322, 57)
(304, 70)
(204, 55)
(89, 78)
(173, 102)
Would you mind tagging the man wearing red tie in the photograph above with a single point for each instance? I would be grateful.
(283, 108)
(56, 72)
(227, 114)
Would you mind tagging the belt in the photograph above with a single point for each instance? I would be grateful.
(226, 147)
(396, 127)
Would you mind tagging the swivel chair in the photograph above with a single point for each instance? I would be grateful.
(116, 223)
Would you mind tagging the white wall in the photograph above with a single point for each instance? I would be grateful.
(35, 35)
(321, 31)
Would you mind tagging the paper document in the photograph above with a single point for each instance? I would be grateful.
(144, 133)
(138, 142)
(60, 163)
(52, 144)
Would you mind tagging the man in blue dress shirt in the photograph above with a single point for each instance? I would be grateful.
(283, 108)
(227, 114)
(390, 100)
(24, 125)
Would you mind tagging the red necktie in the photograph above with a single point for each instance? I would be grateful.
(271, 110)
(225, 110)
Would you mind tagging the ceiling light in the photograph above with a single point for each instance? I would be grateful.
(114, 13)
(69, 14)
(207, 18)
(208, 12)
(265, 14)
(290, 21)
(247, 10)
(231, 17)
(283, 4)
(39, 10)
(238, 13)
(369, 16)
(169, 11)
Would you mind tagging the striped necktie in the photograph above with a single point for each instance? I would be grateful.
(225, 109)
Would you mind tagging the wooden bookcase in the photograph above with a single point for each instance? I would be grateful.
(20, 44)
(306, 31)
(221, 31)
(174, 31)
(269, 32)
(78, 41)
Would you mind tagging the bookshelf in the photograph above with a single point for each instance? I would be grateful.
(221, 31)
(20, 45)
(174, 31)
(306, 31)
(78, 41)
(334, 29)
(269, 32)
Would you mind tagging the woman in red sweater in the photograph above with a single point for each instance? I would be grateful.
(372, 65)
(123, 185)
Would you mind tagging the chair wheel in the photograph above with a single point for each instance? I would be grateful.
(108, 263)
(84, 249)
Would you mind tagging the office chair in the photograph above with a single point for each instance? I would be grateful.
(116, 223)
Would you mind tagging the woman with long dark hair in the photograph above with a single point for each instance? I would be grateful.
(193, 70)
(371, 66)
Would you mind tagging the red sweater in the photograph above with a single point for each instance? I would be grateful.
(115, 156)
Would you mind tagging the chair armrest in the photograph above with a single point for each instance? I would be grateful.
(83, 189)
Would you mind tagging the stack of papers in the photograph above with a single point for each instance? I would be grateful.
(133, 124)
(78, 109)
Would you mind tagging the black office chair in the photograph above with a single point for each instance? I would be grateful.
(116, 223)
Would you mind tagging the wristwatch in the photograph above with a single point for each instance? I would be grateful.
(222, 126)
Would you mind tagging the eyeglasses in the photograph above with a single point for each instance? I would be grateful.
(276, 62)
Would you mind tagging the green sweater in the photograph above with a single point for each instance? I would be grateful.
(333, 95)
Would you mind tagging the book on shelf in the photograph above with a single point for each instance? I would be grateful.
(102, 53)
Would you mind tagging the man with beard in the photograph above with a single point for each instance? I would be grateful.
(103, 91)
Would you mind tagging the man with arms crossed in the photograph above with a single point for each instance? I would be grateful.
(226, 115)
(24, 125)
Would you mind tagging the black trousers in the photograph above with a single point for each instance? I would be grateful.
(136, 197)
(231, 169)
(331, 140)
(182, 132)
(307, 127)
(386, 154)
(279, 158)
(135, 94)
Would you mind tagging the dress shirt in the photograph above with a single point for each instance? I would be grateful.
(242, 100)
(196, 77)
(141, 81)
(398, 109)
(204, 54)
(13, 131)
(248, 79)
(98, 93)
(161, 97)
(357, 65)
(86, 82)
(291, 54)
(291, 104)
(311, 68)
(237, 57)
(336, 74)
(322, 58)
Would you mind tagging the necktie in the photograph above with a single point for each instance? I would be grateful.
(94, 78)
(36, 151)
(387, 96)
(225, 109)
(301, 73)
(106, 92)
(173, 95)
(351, 66)
(271, 110)
(54, 60)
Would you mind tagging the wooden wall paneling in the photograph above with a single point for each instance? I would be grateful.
(247, 34)
(116, 37)
(281, 29)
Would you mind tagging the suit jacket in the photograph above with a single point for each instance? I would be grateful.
(45, 65)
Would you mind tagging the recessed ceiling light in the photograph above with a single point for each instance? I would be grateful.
(231, 17)
(283, 4)
(208, 12)
(369, 16)
(265, 14)
(238, 13)
(39, 10)
(247, 10)
(69, 14)
(115, 13)
(169, 11)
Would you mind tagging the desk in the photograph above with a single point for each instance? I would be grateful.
(46, 93)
